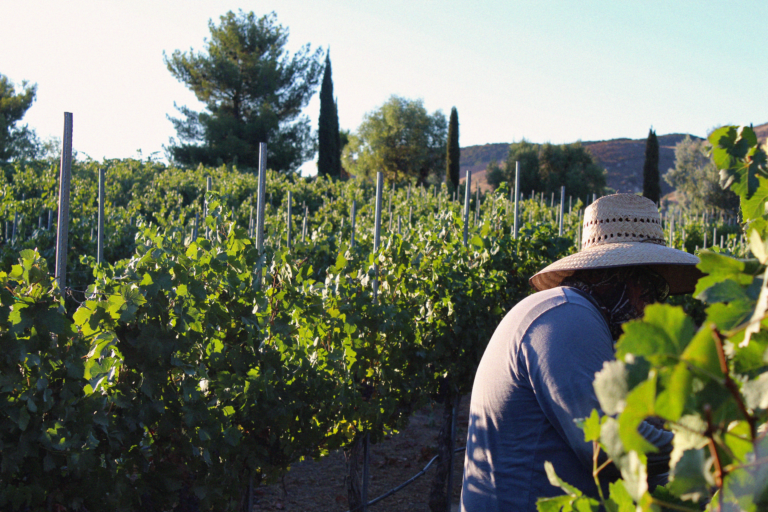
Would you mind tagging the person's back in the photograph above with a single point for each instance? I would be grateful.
(534, 378)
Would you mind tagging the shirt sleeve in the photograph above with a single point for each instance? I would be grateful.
(564, 349)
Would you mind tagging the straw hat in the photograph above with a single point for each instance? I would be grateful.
(624, 230)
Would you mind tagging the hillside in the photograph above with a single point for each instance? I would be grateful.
(622, 159)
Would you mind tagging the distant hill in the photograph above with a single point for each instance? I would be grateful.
(622, 159)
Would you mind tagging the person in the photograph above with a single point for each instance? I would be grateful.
(535, 377)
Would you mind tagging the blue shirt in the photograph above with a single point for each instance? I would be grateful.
(534, 379)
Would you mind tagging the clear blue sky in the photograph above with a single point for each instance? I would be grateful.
(554, 71)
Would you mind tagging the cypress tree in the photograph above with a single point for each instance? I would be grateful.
(651, 184)
(329, 145)
(453, 154)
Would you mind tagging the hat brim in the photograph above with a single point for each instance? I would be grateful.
(677, 267)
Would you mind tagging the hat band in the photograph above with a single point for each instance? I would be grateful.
(657, 241)
(654, 240)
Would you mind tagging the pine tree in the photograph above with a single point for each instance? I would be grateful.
(651, 183)
(453, 153)
(329, 145)
(254, 91)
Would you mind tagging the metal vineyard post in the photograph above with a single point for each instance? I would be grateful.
(100, 234)
(63, 223)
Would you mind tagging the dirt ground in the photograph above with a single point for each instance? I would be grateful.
(315, 486)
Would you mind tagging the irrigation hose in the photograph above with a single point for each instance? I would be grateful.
(407, 482)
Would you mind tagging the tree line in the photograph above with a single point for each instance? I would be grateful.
(254, 91)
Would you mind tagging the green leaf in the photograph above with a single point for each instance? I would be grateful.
(702, 353)
(754, 207)
(663, 330)
(620, 497)
(724, 291)
(640, 405)
(82, 315)
(591, 426)
(634, 474)
(556, 504)
(48, 463)
(718, 268)
(610, 386)
(756, 244)
(760, 311)
(739, 158)
(756, 392)
(729, 316)
(558, 482)
(737, 439)
(670, 403)
(23, 419)
(690, 473)
(610, 440)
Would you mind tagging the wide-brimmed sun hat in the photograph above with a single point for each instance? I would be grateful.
(623, 230)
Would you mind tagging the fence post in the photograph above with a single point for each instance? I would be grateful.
(50, 219)
(477, 203)
(100, 234)
(672, 232)
(15, 227)
(260, 206)
(467, 197)
(304, 226)
(63, 223)
(516, 225)
(562, 208)
(377, 233)
(250, 224)
(208, 184)
(288, 237)
(449, 490)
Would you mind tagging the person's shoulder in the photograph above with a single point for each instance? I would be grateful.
(559, 296)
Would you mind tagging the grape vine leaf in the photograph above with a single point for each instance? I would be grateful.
(610, 386)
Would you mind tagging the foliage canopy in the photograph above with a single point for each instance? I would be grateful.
(651, 184)
(401, 139)
(13, 105)
(453, 154)
(697, 179)
(547, 167)
(253, 92)
(328, 138)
